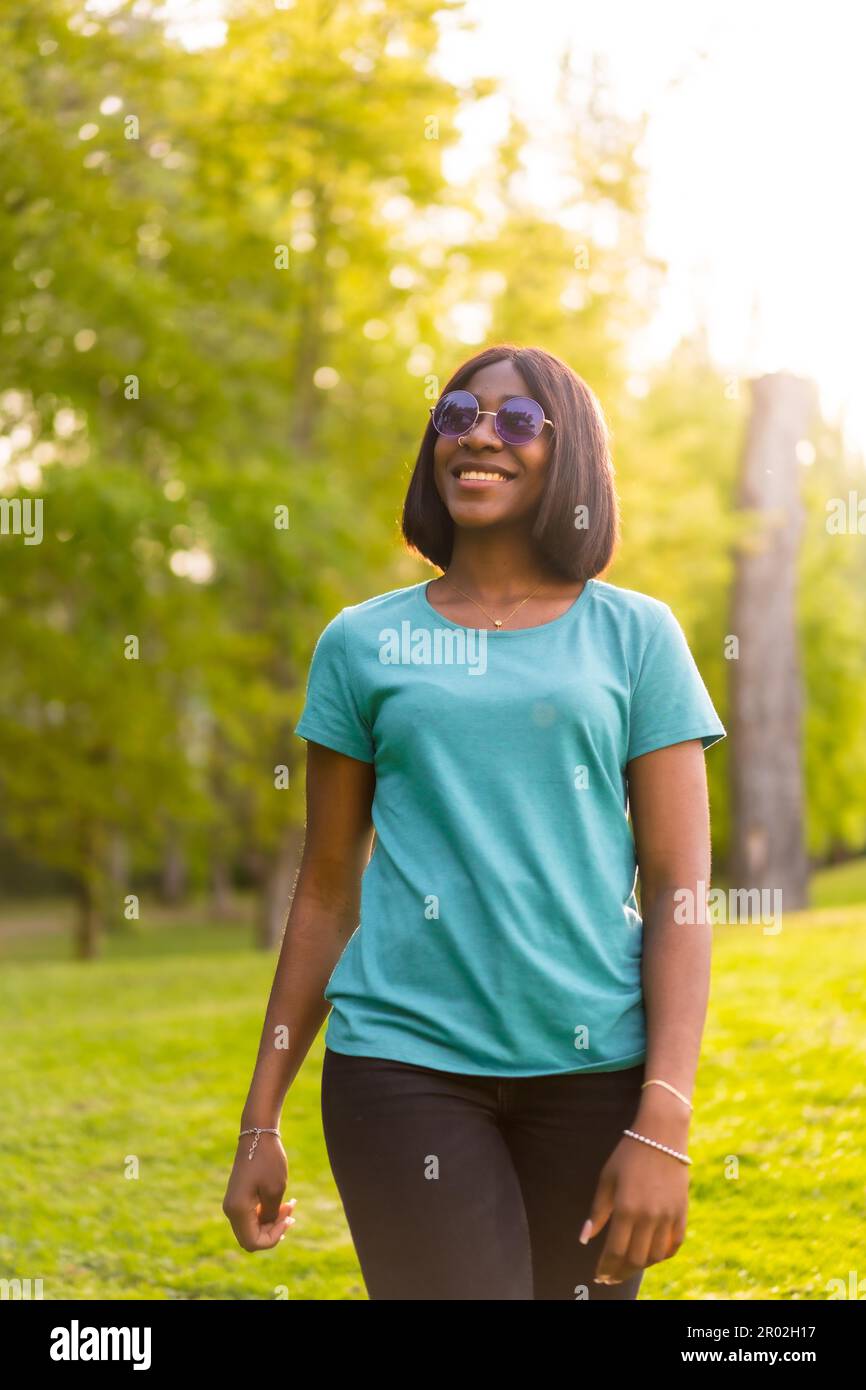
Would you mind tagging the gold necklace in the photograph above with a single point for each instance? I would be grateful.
(496, 621)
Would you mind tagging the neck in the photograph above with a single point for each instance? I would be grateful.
(496, 564)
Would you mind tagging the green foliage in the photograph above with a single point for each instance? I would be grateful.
(677, 448)
(233, 281)
(832, 604)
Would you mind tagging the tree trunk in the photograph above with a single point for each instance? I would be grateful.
(275, 890)
(220, 886)
(89, 923)
(117, 885)
(95, 904)
(118, 863)
(766, 703)
(173, 879)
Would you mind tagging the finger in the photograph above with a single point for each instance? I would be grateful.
(678, 1235)
(602, 1206)
(269, 1203)
(660, 1249)
(247, 1224)
(613, 1260)
(270, 1233)
(642, 1236)
(270, 1198)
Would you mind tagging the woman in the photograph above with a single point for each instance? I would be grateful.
(513, 1042)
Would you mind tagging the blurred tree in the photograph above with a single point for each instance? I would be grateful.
(832, 622)
(677, 431)
(173, 399)
(768, 848)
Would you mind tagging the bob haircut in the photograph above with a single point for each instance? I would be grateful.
(579, 471)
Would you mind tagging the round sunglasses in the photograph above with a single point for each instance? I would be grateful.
(517, 421)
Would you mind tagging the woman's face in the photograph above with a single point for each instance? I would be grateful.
(492, 502)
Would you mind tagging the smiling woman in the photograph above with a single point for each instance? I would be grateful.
(499, 413)
(484, 1098)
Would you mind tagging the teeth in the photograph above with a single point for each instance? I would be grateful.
(485, 477)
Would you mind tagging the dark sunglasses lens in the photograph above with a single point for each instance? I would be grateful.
(455, 412)
(520, 420)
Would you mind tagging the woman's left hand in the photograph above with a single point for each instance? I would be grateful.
(645, 1195)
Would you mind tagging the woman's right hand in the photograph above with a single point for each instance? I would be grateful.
(252, 1201)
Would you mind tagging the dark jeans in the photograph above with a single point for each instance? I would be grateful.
(473, 1187)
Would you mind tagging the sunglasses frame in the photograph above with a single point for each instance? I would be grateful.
(495, 413)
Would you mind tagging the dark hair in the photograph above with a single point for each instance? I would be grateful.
(580, 470)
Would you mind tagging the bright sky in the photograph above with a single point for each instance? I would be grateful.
(754, 152)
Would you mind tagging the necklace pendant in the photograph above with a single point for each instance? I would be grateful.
(498, 622)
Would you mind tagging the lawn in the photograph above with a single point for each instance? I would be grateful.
(143, 1058)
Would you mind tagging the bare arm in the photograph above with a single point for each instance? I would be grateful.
(642, 1191)
(670, 817)
(323, 915)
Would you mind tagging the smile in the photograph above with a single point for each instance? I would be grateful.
(479, 475)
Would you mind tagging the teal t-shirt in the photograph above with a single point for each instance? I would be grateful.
(499, 930)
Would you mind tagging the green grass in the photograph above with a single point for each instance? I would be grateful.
(148, 1051)
(844, 883)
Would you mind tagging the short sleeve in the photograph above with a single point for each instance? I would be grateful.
(669, 701)
(331, 714)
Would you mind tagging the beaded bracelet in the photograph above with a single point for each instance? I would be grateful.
(683, 1158)
(256, 1131)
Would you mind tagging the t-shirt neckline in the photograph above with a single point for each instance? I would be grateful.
(497, 632)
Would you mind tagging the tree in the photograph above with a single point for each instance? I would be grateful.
(766, 686)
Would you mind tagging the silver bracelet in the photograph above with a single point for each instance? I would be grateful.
(683, 1158)
(256, 1131)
